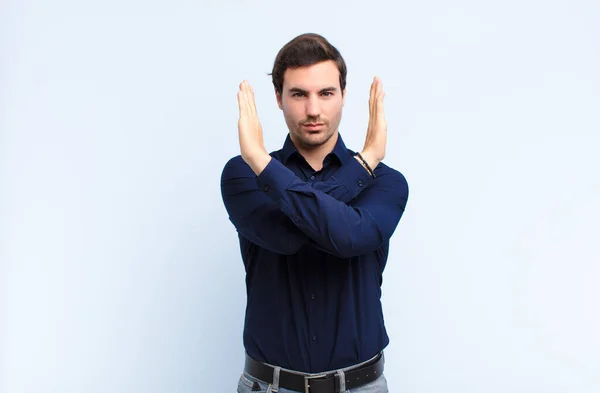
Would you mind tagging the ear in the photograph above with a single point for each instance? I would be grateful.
(279, 103)
(343, 97)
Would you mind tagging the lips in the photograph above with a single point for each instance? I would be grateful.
(313, 126)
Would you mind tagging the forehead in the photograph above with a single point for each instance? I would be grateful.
(314, 77)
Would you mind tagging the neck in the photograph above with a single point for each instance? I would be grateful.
(315, 156)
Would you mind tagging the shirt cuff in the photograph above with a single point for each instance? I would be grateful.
(354, 177)
(275, 179)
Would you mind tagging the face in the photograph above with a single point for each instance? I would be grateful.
(312, 101)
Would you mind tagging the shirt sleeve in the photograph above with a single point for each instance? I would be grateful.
(254, 215)
(342, 229)
(258, 218)
(347, 182)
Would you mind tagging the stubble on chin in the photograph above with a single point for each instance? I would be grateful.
(309, 142)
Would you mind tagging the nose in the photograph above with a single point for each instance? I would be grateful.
(312, 107)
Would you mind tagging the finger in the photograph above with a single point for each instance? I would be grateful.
(242, 99)
(372, 93)
(252, 101)
(376, 93)
(380, 110)
(379, 88)
(244, 95)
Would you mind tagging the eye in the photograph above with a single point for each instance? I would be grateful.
(297, 94)
(327, 93)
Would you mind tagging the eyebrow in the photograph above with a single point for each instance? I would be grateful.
(299, 90)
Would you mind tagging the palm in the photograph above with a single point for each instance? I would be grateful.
(249, 127)
(375, 142)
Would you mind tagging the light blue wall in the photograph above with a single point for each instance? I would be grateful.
(119, 271)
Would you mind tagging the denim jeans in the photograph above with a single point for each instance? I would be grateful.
(246, 383)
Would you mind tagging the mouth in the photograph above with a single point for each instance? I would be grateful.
(312, 126)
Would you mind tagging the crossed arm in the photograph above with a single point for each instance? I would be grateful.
(278, 211)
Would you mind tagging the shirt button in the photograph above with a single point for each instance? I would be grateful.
(312, 296)
(314, 337)
(266, 188)
(359, 182)
(296, 219)
(312, 178)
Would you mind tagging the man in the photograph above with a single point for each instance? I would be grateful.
(314, 221)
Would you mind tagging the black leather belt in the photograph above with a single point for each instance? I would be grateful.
(321, 383)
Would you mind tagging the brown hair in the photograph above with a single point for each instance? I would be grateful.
(306, 50)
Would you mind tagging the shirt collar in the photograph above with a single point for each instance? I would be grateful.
(339, 150)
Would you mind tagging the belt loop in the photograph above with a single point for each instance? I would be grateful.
(276, 371)
(342, 378)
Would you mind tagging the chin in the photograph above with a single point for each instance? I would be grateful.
(314, 139)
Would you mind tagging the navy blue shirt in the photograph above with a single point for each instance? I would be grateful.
(314, 245)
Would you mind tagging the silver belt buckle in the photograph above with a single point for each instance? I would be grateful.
(308, 378)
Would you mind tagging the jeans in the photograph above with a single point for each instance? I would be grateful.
(247, 382)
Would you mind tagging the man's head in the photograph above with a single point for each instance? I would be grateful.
(309, 76)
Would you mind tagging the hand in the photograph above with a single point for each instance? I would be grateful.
(374, 149)
(250, 131)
